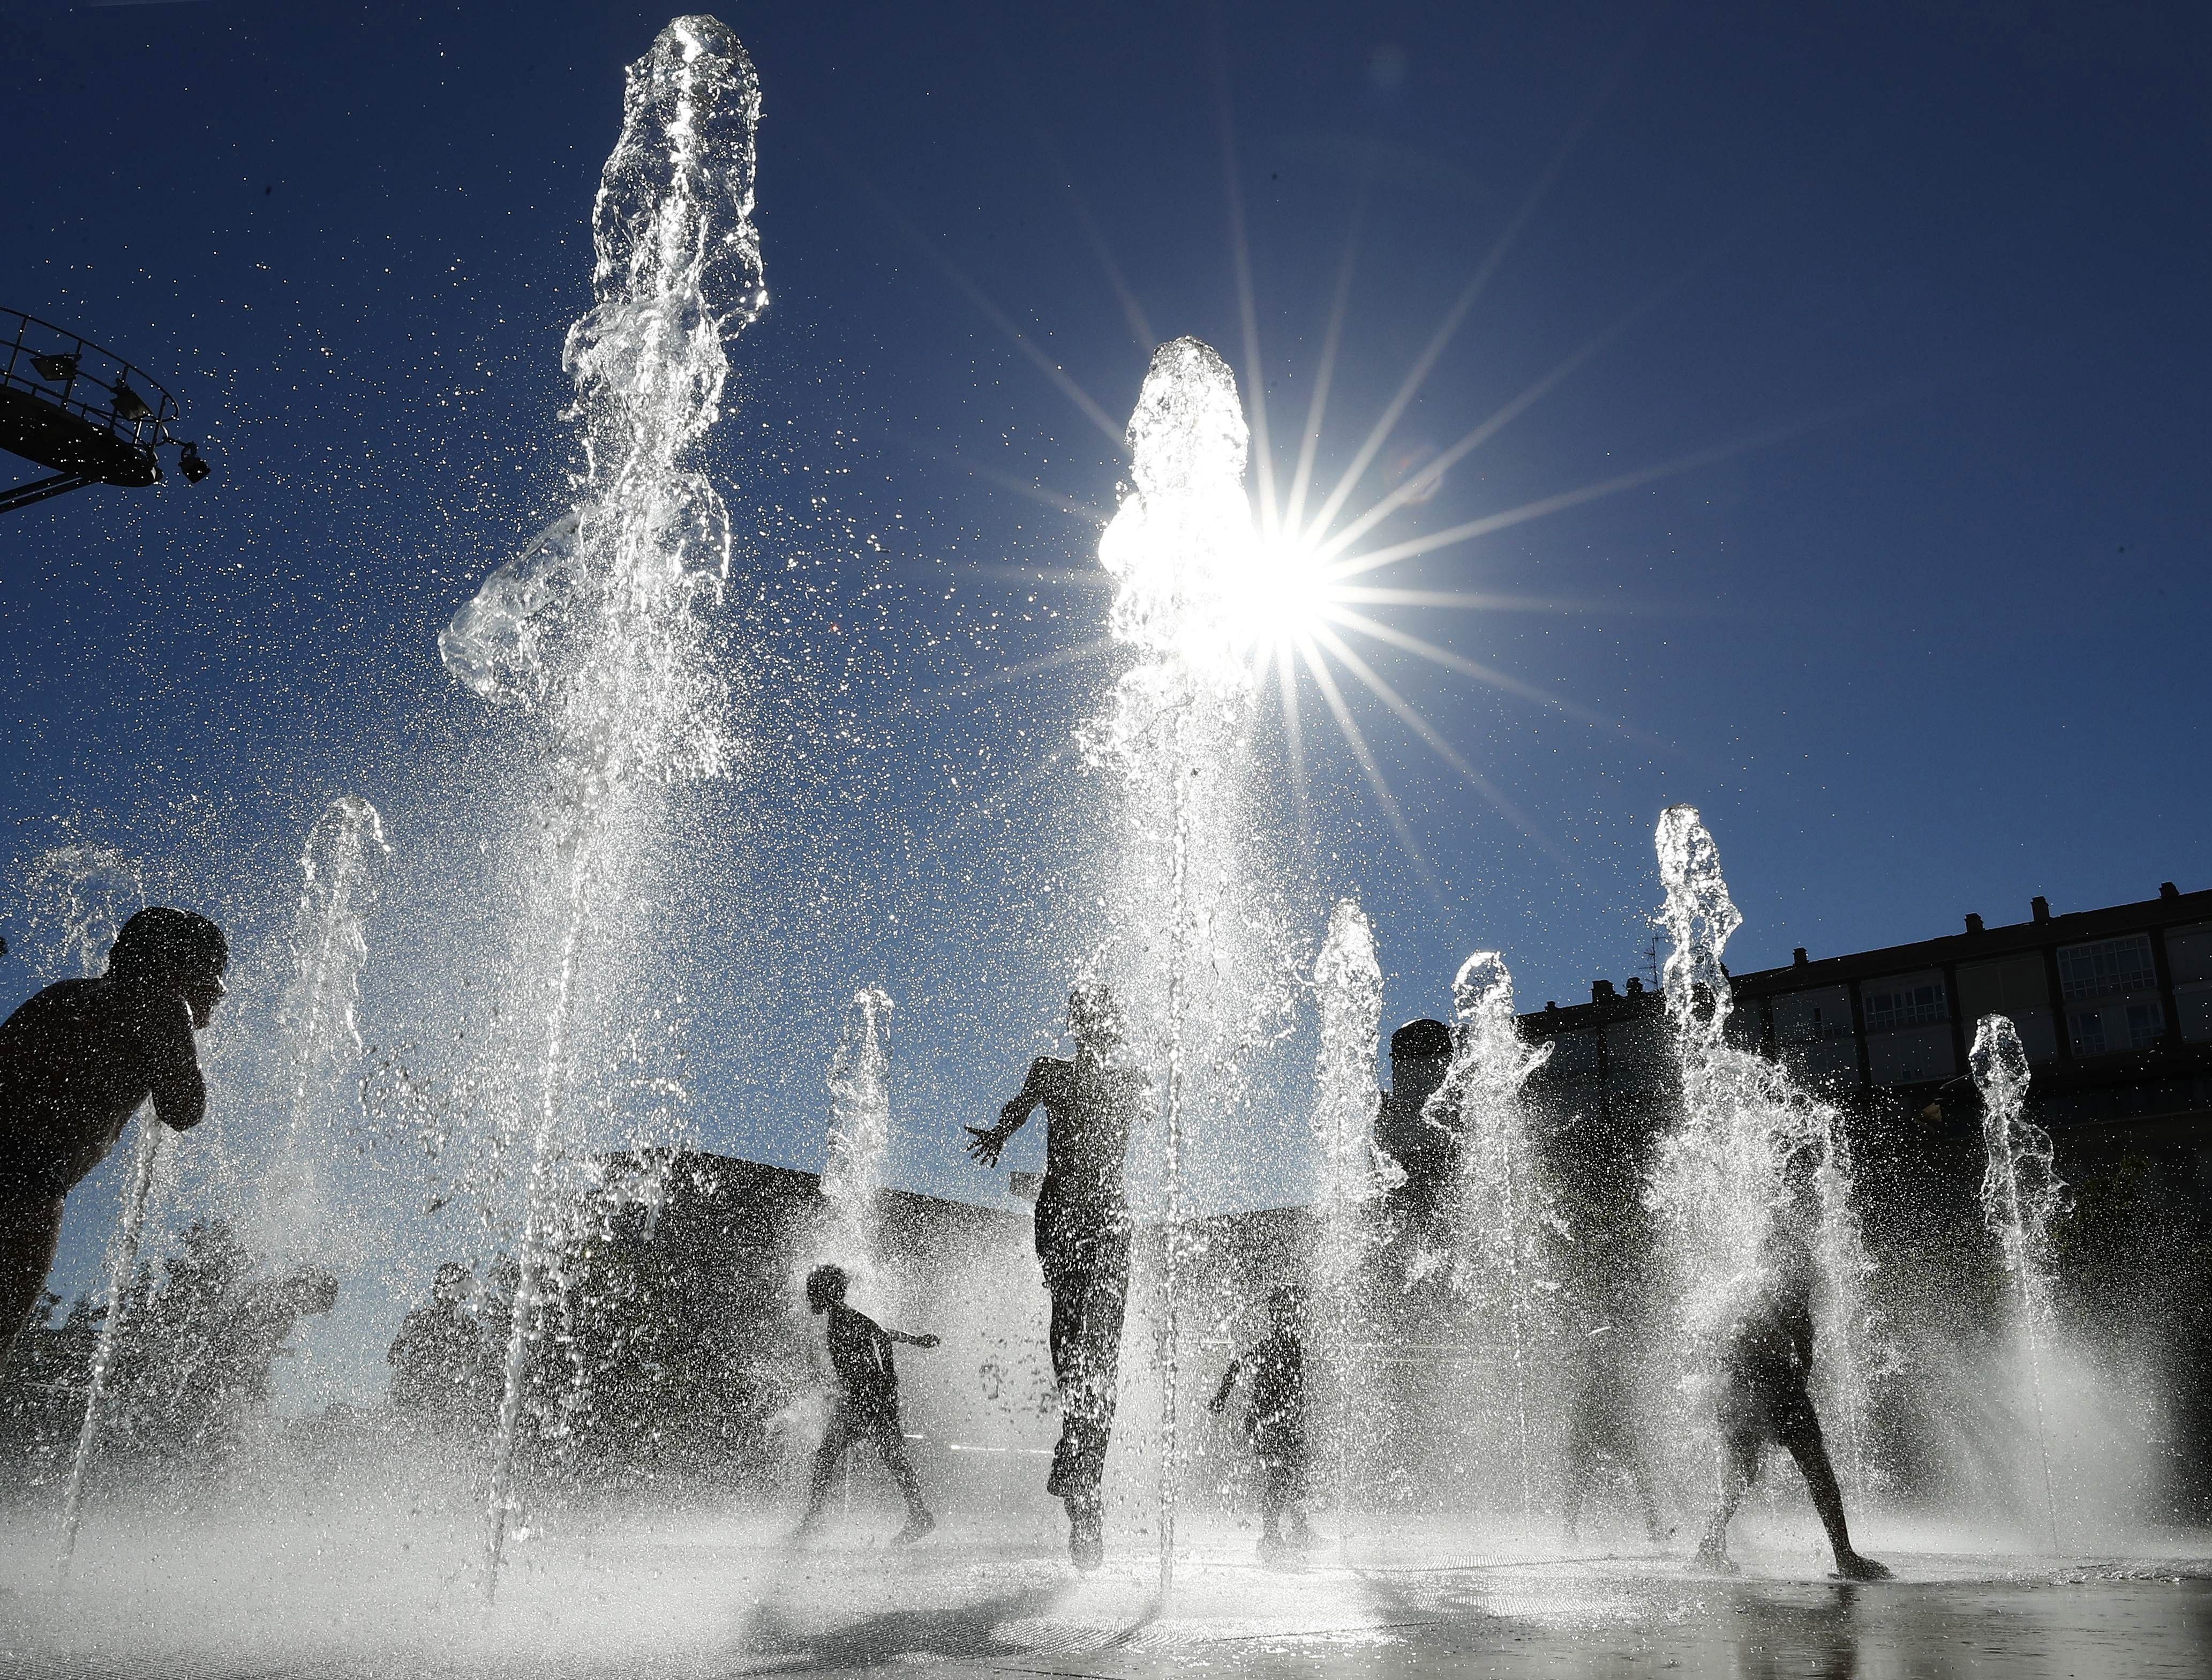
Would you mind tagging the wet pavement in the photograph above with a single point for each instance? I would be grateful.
(704, 1598)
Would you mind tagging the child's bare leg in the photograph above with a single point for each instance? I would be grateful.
(1803, 1439)
(1740, 1449)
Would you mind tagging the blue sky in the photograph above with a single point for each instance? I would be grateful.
(1921, 286)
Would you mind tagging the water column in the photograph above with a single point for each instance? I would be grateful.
(84, 894)
(1502, 1205)
(1348, 987)
(860, 1131)
(2020, 1196)
(1751, 1149)
(600, 623)
(1181, 553)
(329, 949)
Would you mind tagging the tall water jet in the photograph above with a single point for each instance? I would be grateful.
(1751, 1149)
(600, 621)
(1188, 596)
(77, 898)
(860, 1131)
(321, 1005)
(1503, 1211)
(1348, 986)
(2020, 1194)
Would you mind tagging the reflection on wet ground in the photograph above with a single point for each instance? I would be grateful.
(706, 1596)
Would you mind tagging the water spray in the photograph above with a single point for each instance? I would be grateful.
(600, 622)
(329, 951)
(1348, 984)
(1500, 1202)
(860, 1128)
(1752, 1149)
(2020, 1196)
(1185, 562)
(87, 892)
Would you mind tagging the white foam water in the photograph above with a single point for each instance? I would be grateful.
(600, 623)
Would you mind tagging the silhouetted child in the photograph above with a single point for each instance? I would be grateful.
(868, 1407)
(1275, 1421)
(75, 1061)
(1082, 1232)
(1762, 1395)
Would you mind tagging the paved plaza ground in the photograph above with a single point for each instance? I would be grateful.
(708, 1596)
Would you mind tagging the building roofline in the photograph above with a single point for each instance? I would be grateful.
(2013, 939)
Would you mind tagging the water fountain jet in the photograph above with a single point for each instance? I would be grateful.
(1186, 566)
(1348, 987)
(1750, 1148)
(2020, 1194)
(1503, 1209)
(87, 892)
(860, 1131)
(329, 949)
(599, 621)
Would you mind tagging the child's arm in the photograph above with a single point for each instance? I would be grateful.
(1228, 1382)
(923, 1341)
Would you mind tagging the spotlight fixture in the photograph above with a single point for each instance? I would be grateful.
(55, 370)
(190, 464)
(129, 405)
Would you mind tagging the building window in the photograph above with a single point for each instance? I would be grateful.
(2195, 1006)
(2088, 1032)
(1892, 1005)
(2109, 965)
(1801, 1018)
(2146, 1026)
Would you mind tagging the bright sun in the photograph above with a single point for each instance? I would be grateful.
(1285, 598)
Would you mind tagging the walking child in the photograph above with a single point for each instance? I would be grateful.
(868, 1407)
(1275, 1421)
(1762, 1396)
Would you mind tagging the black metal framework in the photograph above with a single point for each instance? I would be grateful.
(82, 411)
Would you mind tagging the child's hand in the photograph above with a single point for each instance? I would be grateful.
(925, 1342)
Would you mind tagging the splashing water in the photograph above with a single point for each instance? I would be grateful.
(1348, 985)
(76, 899)
(1752, 1150)
(859, 1130)
(1503, 1208)
(601, 622)
(329, 949)
(1181, 553)
(2020, 1196)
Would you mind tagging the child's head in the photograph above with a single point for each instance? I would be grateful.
(1095, 1020)
(1286, 1306)
(825, 1287)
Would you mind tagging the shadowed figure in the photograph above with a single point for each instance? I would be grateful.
(440, 1357)
(1602, 1430)
(868, 1407)
(1275, 1421)
(1082, 1243)
(1761, 1395)
(76, 1061)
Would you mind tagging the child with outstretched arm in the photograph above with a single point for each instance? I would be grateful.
(868, 1407)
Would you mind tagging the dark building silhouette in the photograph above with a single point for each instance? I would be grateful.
(2114, 1007)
